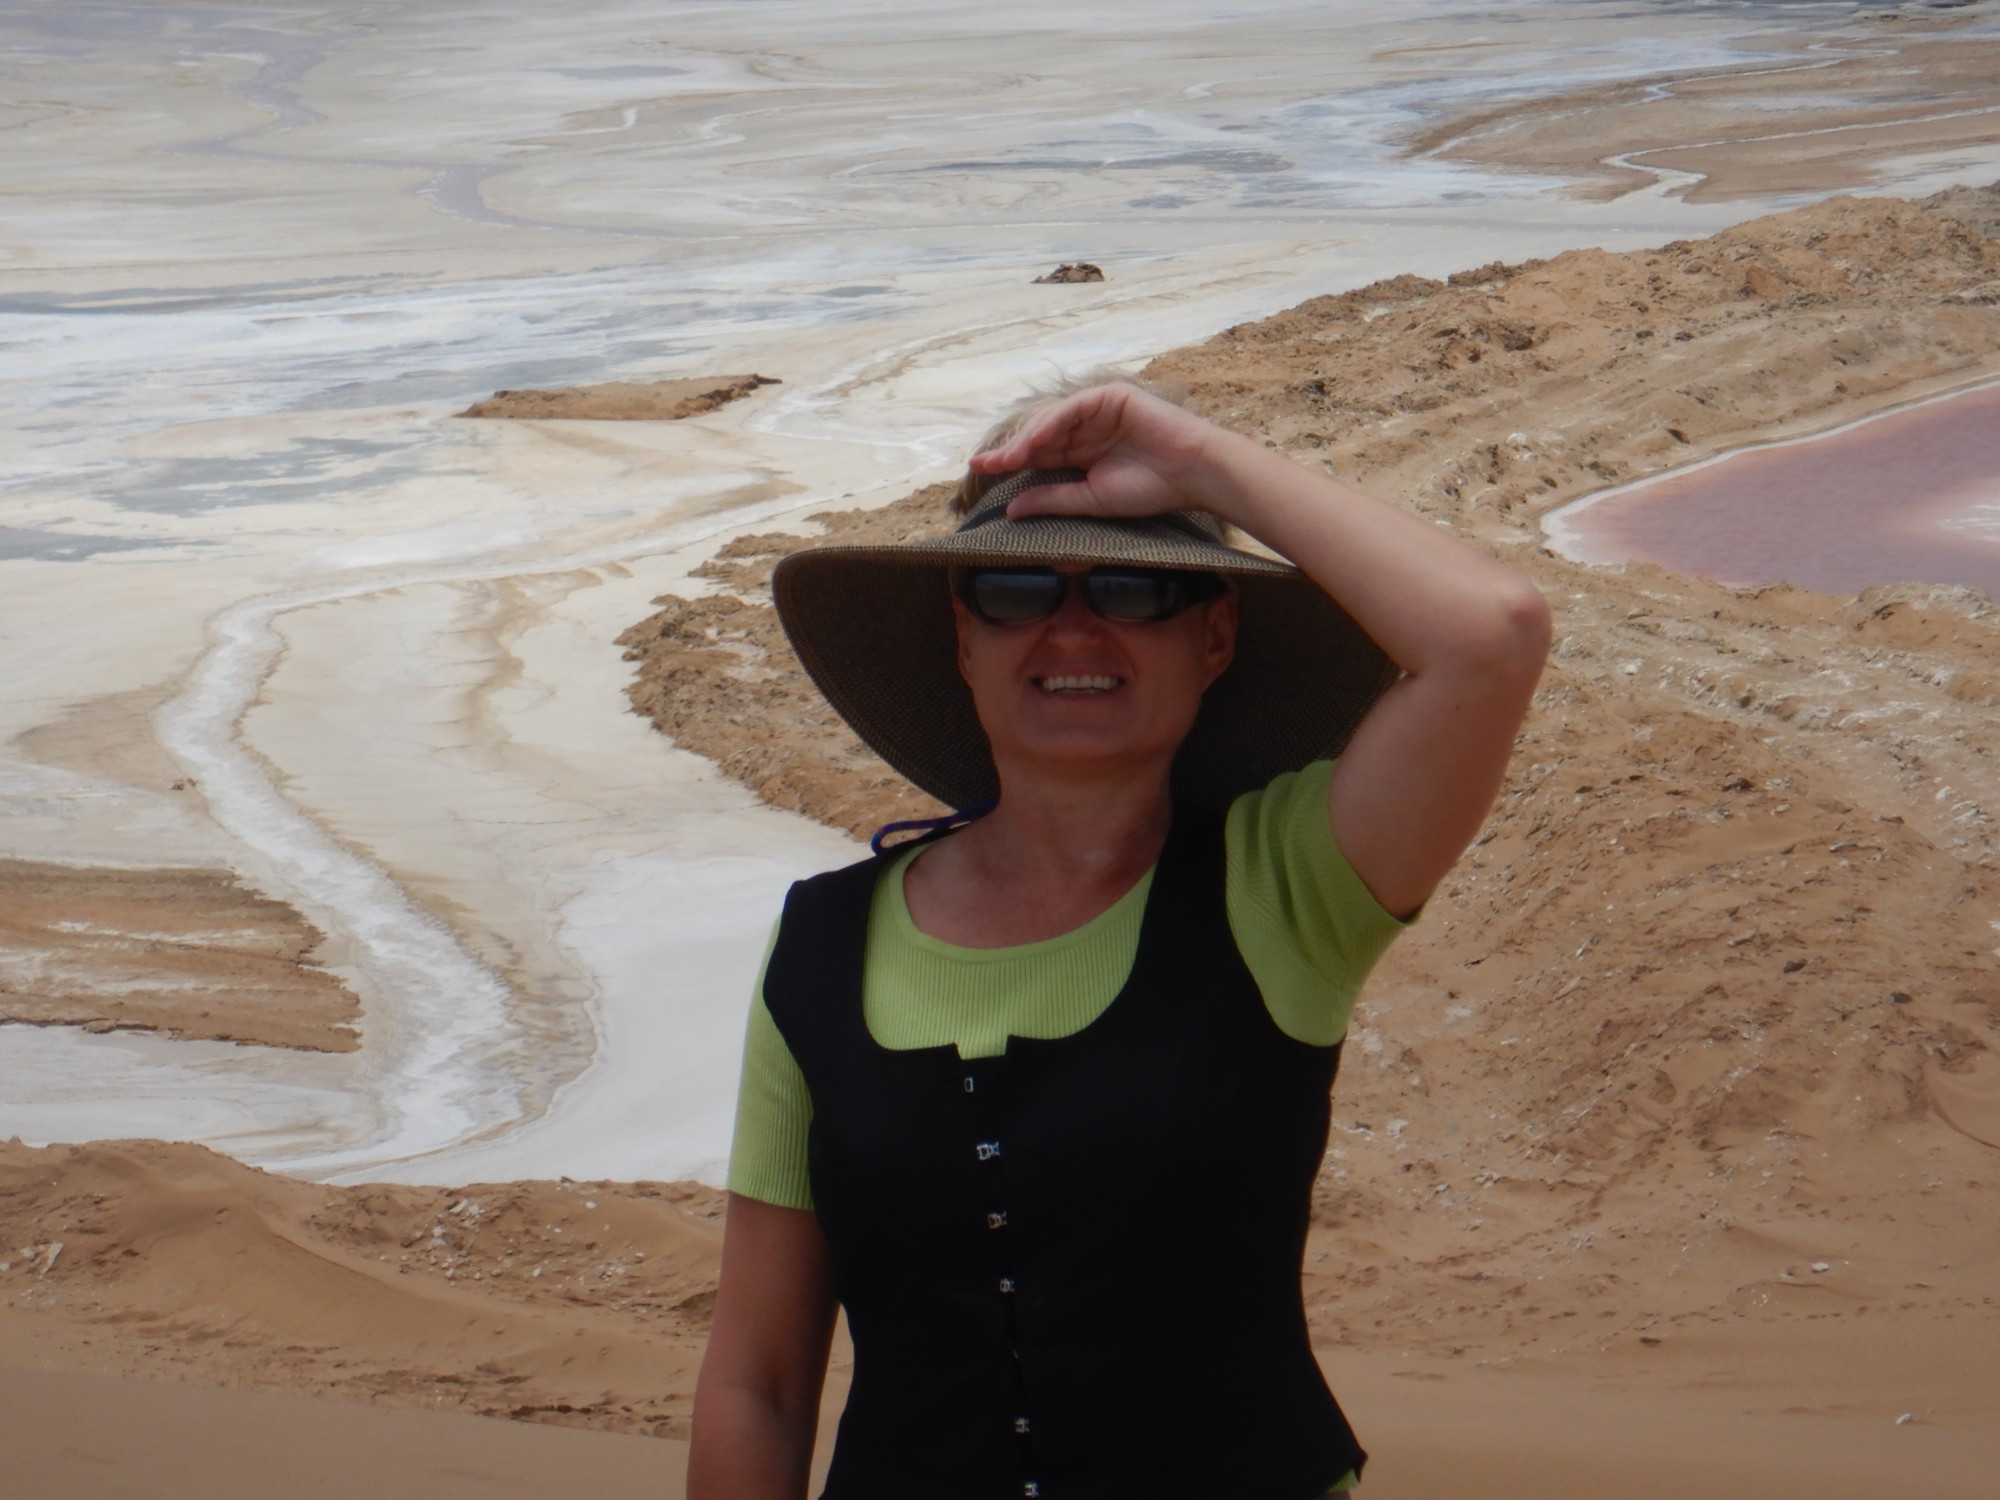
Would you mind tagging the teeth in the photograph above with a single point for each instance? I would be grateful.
(1079, 684)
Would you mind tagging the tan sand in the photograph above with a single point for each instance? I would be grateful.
(1752, 1375)
(578, 1304)
(82, 1436)
(1487, 401)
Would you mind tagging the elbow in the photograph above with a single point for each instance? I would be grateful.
(1531, 624)
(1511, 642)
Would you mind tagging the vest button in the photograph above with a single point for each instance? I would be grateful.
(1021, 1425)
(986, 1150)
(996, 1221)
(1031, 1490)
(1006, 1284)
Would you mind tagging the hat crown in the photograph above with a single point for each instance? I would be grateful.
(992, 508)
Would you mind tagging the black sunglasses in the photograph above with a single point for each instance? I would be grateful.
(1017, 596)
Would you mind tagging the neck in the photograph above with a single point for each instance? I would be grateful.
(1058, 827)
(1052, 855)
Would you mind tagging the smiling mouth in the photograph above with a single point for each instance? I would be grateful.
(1077, 684)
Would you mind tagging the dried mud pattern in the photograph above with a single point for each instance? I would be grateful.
(188, 953)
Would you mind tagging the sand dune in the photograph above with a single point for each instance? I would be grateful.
(581, 1304)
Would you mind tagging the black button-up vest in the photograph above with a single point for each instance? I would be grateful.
(1071, 1272)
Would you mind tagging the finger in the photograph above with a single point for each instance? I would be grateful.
(1038, 446)
(1075, 498)
(1073, 433)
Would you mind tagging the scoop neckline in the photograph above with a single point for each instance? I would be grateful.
(908, 931)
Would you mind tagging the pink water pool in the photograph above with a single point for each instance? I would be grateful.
(1913, 496)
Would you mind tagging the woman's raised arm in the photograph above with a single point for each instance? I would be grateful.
(756, 1403)
(1419, 777)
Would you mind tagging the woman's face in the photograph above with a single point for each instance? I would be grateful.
(1082, 695)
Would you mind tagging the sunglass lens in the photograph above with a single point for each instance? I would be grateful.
(1118, 595)
(1015, 596)
(1010, 596)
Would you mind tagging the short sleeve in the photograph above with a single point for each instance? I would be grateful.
(1307, 927)
(767, 1158)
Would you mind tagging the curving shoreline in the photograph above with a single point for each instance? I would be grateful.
(1898, 513)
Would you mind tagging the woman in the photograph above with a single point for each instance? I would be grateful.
(1041, 1102)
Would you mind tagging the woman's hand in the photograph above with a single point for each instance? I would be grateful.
(1140, 455)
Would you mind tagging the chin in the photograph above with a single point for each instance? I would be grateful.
(1090, 757)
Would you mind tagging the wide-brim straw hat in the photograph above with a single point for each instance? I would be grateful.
(873, 628)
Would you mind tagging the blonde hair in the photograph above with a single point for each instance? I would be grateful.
(972, 487)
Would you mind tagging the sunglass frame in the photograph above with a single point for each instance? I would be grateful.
(1180, 589)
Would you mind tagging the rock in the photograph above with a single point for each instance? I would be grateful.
(1977, 208)
(1082, 270)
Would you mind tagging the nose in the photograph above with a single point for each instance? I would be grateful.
(1074, 619)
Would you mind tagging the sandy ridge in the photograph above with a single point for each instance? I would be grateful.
(581, 1304)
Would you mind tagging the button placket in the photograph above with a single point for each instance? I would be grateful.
(985, 1117)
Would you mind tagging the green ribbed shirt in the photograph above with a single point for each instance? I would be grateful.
(1308, 930)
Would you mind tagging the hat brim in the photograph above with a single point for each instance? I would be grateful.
(873, 628)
